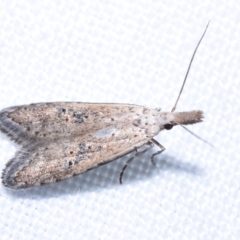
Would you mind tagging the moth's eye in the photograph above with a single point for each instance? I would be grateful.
(168, 126)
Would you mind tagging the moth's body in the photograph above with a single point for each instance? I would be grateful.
(63, 139)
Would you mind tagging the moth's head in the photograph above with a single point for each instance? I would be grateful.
(181, 118)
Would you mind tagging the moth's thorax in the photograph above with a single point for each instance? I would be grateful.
(179, 118)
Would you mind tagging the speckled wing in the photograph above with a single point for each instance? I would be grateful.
(61, 159)
(45, 121)
(61, 140)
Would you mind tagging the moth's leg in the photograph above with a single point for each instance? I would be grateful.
(159, 152)
(137, 154)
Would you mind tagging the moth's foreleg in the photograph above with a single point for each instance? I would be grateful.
(137, 154)
(159, 152)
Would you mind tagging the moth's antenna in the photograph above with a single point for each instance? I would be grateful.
(189, 66)
(195, 135)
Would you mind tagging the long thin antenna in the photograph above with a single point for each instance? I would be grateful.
(189, 66)
(195, 135)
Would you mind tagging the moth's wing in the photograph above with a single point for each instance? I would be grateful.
(61, 140)
(45, 121)
(54, 161)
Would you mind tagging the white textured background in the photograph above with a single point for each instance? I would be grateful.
(131, 52)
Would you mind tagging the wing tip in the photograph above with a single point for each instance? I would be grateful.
(10, 128)
(11, 170)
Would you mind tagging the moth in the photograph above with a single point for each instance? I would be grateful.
(63, 139)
